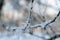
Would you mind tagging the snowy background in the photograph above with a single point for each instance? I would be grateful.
(27, 20)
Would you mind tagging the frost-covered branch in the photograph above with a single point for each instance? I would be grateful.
(52, 20)
(56, 35)
(29, 18)
(47, 22)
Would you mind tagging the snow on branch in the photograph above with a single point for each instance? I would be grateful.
(53, 20)
(29, 18)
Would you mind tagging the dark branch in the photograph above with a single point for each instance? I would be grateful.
(52, 20)
(1, 4)
(54, 37)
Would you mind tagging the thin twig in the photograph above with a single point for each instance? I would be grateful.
(52, 20)
(29, 18)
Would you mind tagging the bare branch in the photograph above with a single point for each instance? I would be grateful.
(54, 37)
(52, 20)
(29, 18)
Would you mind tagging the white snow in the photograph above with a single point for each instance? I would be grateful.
(18, 36)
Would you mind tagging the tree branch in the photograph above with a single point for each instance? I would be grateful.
(29, 18)
(52, 20)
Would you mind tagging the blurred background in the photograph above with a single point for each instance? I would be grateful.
(16, 13)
